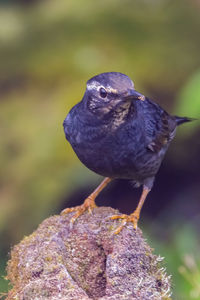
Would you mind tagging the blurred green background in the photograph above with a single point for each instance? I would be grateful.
(48, 50)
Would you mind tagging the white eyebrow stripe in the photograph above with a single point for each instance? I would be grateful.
(93, 85)
(111, 90)
(96, 85)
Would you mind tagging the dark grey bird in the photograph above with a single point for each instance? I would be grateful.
(119, 133)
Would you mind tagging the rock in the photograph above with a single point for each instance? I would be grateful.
(86, 261)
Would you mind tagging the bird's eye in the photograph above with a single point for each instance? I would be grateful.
(103, 92)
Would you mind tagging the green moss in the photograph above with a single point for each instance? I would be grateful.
(80, 266)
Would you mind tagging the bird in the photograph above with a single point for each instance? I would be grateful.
(119, 133)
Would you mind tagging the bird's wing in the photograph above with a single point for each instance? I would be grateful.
(160, 128)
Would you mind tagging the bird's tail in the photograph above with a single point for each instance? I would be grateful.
(181, 120)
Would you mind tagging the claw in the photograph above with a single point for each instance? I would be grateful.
(89, 204)
(133, 218)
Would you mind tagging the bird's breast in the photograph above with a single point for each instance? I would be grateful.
(114, 154)
(118, 151)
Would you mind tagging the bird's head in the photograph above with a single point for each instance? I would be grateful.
(107, 92)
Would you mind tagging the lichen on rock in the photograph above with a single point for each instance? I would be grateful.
(86, 261)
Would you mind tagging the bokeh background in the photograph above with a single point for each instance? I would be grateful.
(48, 50)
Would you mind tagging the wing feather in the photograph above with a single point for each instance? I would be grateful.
(160, 127)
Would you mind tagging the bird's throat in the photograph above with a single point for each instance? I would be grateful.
(120, 114)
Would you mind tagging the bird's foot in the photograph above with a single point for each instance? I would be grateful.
(133, 218)
(89, 204)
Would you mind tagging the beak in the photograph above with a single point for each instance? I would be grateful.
(134, 95)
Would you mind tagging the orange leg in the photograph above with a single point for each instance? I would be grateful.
(89, 202)
(134, 217)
